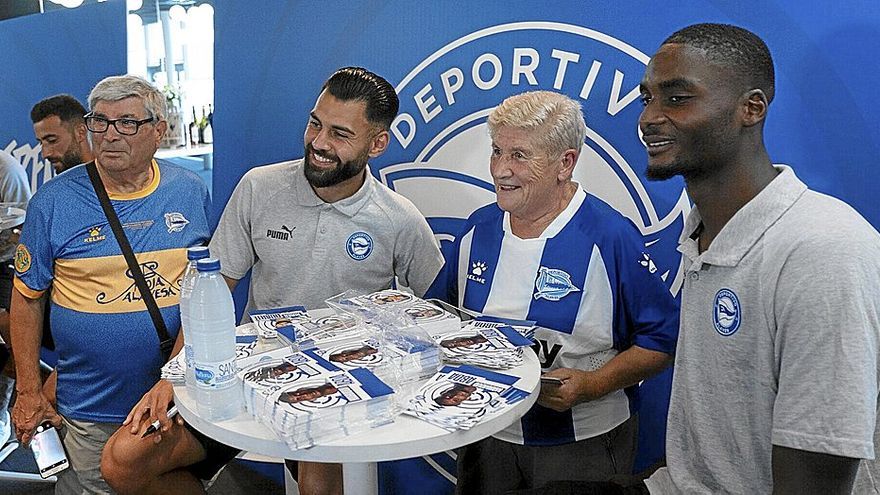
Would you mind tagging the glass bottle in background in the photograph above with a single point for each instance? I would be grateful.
(194, 130)
(208, 131)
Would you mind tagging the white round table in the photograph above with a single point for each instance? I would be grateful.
(404, 438)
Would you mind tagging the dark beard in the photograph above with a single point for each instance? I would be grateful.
(342, 172)
(663, 173)
(70, 159)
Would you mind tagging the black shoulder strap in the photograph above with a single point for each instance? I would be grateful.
(165, 342)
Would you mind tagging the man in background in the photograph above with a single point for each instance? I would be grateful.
(14, 196)
(61, 131)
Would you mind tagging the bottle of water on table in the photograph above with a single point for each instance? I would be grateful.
(193, 254)
(212, 335)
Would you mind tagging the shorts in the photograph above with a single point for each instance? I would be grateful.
(495, 466)
(217, 455)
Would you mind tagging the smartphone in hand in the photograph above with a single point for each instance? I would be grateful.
(48, 450)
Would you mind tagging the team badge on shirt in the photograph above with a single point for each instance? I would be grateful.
(175, 221)
(22, 259)
(727, 313)
(553, 284)
(359, 246)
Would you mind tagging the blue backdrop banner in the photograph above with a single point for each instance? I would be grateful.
(62, 51)
(452, 62)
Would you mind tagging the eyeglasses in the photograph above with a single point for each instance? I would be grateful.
(127, 127)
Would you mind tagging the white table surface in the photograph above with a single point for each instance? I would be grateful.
(404, 438)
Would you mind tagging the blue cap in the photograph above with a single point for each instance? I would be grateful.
(197, 253)
(208, 265)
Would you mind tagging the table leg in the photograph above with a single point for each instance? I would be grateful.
(361, 478)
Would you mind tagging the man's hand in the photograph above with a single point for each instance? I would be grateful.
(153, 405)
(31, 409)
(577, 386)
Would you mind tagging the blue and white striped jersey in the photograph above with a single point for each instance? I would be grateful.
(588, 284)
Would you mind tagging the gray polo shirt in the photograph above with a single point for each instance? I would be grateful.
(780, 323)
(304, 250)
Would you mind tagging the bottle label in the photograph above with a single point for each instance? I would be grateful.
(213, 375)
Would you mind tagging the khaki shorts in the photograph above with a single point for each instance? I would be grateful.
(84, 441)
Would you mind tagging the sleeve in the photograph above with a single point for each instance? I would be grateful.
(445, 285)
(35, 256)
(417, 258)
(232, 243)
(650, 314)
(14, 186)
(826, 306)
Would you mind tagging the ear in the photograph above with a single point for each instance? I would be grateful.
(569, 160)
(380, 143)
(754, 107)
(161, 127)
(80, 132)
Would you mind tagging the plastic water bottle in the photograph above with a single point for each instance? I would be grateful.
(193, 254)
(212, 336)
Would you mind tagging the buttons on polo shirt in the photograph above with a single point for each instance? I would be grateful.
(695, 276)
(323, 230)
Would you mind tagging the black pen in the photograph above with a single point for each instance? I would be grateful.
(154, 427)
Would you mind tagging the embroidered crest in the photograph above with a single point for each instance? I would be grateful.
(727, 313)
(175, 221)
(359, 245)
(22, 259)
(553, 284)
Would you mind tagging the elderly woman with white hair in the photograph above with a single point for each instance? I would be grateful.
(547, 251)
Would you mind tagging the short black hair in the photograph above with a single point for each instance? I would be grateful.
(66, 107)
(359, 84)
(733, 47)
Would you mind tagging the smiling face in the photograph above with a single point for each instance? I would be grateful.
(689, 117)
(61, 142)
(339, 140)
(527, 178)
(118, 152)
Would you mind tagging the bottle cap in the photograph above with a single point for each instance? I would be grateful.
(208, 265)
(197, 253)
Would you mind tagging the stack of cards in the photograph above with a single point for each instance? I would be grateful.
(396, 309)
(457, 398)
(497, 348)
(395, 359)
(175, 369)
(246, 346)
(327, 329)
(329, 407)
(526, 328)
(306, 398)
(270, 322)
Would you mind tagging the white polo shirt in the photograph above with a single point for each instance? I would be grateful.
(303, 250)
(780, 323)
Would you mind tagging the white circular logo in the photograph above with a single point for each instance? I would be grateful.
(727, 313)
(359, 245)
